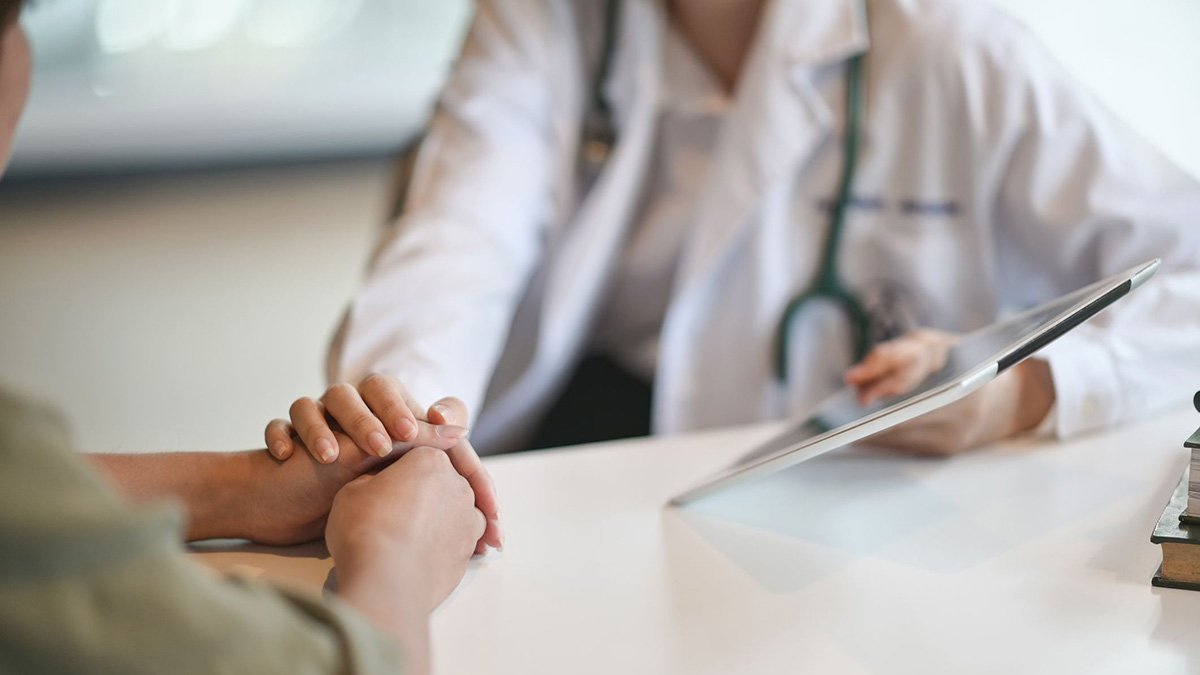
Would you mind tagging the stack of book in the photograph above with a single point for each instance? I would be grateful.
(1178, 529)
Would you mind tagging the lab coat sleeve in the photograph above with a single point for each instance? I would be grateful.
(443, 287)
(1082, 198)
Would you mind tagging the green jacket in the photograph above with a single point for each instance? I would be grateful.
(90, 585)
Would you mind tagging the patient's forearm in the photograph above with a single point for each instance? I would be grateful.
(211, 486)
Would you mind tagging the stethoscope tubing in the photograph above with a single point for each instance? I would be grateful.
(828, 284)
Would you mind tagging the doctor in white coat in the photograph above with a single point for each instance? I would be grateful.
(987, 181)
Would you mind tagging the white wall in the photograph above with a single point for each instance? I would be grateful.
(180, 311)
(137, 84)
(1140, 57)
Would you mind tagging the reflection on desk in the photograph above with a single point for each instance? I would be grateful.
(1024, 557)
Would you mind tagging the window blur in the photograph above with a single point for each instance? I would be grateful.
(146, 83)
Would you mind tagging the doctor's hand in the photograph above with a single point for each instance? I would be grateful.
(376, 413)
(898, 366)
(1015, 402)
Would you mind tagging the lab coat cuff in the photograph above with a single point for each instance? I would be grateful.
(1086, 389)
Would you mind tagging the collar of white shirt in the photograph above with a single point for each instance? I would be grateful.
(690, 86)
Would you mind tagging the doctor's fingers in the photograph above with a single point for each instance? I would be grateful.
(279, 438)
(345, 405)
(468, 464)
(899, 365)
(890, 369)
(308, 417)
(448, 410)
(897, 382)
(884, 360)
(390, 402)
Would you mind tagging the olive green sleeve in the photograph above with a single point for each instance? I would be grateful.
(89, 585)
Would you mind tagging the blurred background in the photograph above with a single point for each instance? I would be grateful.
(197, 185)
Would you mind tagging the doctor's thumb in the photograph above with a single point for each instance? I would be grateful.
(449, 410)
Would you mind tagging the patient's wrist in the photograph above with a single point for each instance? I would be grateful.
(390, 589)
(220, 502)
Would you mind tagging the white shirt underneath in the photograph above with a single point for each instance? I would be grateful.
(693, 108)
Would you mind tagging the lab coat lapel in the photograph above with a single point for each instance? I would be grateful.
(584, 264)
(778, 120)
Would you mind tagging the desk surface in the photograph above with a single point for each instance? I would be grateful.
(1020, 558)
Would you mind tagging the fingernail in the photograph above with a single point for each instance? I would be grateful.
(280, 449)
(452, 431)
(442, 410)
(408, 430)
(325, 450)
(380, 444)
(499, 533)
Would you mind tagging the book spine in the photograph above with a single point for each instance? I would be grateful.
(1193, 503)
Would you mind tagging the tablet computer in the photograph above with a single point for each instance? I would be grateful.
(973, 361)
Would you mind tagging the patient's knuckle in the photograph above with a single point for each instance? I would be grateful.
(464, 488)
(426, 457)
(440, 460)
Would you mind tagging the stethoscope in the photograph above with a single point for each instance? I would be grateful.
(828, 285)
(598, 136)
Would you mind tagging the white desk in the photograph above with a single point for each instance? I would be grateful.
(1018, 559)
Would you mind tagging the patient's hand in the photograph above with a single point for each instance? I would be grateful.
(289, 500)
(1013, 403)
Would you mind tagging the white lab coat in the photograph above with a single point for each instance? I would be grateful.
(988, 181)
